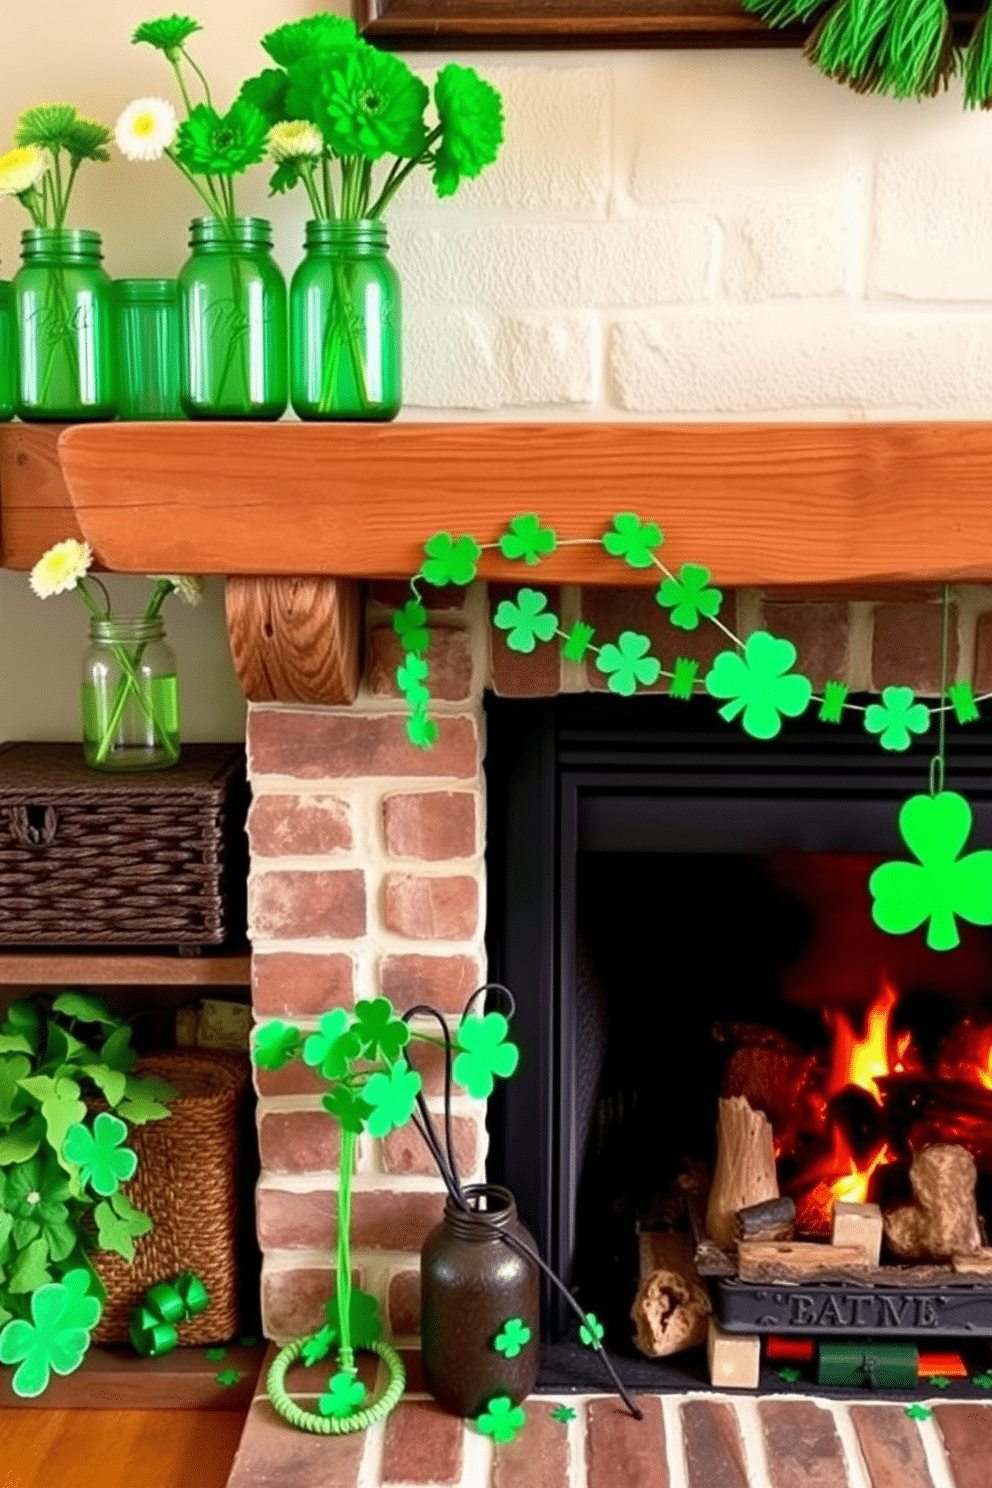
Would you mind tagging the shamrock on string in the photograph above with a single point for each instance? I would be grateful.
(759, 684)
(591, 1331)
(392, 1097)
(562, 1413)
(512, 1338)
(485, 1052)
(450, 560)
(688, 597)
(103, 1163)
(364, 1318)
(410, 624)
(333, 1047)
(502, 1419)
(380, 1031)
(421, 730)
(527, 539)
(917, 1412)
(349, 1108)
(633, 540)
(344, 1395)
(56, 1339)
(897, 717)
(527, 621)
(275, 1044)
(627, 664)
(410, 678)
(943, 884)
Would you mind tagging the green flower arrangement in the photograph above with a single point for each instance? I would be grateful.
(61, 1174)
(51, 143)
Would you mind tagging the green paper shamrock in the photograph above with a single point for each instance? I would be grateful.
(103, 1163)
(364, 1318)
(577, 641)
(450, 560)
(502, 1419)
(214, 1355)
(485, 1052)
(410, 624)
(627, 663)
(318, 1347)
(379, 1029)
(591, 1331)
(983, 1381)
(834, 697)
(527, 539)
(421, 730)
(961, 696)
(759, 685)
(33, 1195)
(228, 1377)
(392, 1097)
(275, 1045)
(57, 1337)
(119, 1224)
(688, 597)
(332, 1049)
(789, 1375)
(562, 1413)
(939, 1381)
(143, 1099)
(410, 677)
(943, 884)
(633, 540)
(512, 1338)
(896, 717)
(344, 1395)
(918, 1412)
(684, 676)
(527, 621)
(30, 1269)
(349, 1108)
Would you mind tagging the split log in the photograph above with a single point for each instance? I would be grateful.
(672, 1306)
(800, 1260)
(710, 1259)
(772, 1220)
(944, 1220)
(977, 1264)
(745, 1167)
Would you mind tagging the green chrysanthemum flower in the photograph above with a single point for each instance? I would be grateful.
(297, 39)
(58, 126)
(167, 34)
(212, 144)
(267, 92)
(87, 140)
(471, 115)
(371, 104)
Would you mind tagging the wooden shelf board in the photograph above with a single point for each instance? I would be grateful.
(108, 969)
(35, 509)
(113, 1377)
(758, 503)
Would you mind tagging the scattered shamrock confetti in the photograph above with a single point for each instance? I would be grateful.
(577, 641)
(527, 621)
(627, 664)
(684, 677)
(56, 1339)
(228, 1377)
(759, 684)
(410, 624)
(512, 1338)
(591, 1331)
(450, 560)
(943, 884)
(789, 1375)
(939, 1381)
(103, 1163)
(485, 1052)
(527, 539)
(410, 679)
(334, 1046)
(392, 1098)
(983, 1381)
(380, 1031)
(688, 597)
(275, 1045)
(214, 1355)
(502, 1420)
(917, 1412)
(897, 717)
(344, 1395)
(562, 1413)
(633, 540)
(834, 697)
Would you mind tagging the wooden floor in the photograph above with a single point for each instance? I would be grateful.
(117, 1449)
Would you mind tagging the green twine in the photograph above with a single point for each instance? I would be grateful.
(977, 64)
(346, 1356)
(359, 1420)
(846, 41)
(916, 56)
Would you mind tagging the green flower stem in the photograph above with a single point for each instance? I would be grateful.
(393, 183)
(180, 80)
(310, 187)
(346, 1356)
(218, 208)
(340, 331)
(63, 340)
(325, 166)
(238, 338)
(206, 85)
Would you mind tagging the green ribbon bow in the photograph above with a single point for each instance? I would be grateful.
(155, 1322)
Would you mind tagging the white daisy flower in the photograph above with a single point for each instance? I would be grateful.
(60, 568)
(295, 139)
(146, 129)
(189, 588)
(21, 169)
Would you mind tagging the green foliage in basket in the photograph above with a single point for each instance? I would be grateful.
(61, 1169)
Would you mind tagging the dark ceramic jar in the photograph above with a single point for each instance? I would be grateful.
(473, 1283)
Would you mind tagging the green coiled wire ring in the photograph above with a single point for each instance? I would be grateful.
(359, 1420)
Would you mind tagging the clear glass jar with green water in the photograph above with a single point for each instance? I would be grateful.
(232, 310)
(8, 357)
(344, 314)
(64, 325)
(130, 695)
(148, 348)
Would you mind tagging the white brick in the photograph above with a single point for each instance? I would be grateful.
(788, 247)
(793, 360)
(657, 260)
(933, 223)
(463, 359)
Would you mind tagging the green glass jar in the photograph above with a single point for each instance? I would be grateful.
(344, 312)
(64, 325)
(232, 313)
(130, 695)
(8, 358)
(148, 356)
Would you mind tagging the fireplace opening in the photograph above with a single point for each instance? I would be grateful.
(684, 915)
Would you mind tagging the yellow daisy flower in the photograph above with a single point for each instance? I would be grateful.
(21, 169)
(295, 140)
(60, 568)
(146, 129)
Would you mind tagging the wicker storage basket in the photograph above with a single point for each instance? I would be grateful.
(187, 1181)
(151, 859)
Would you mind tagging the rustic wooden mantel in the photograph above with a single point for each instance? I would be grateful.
(295, 514)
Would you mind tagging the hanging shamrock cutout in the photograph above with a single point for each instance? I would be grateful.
(392, 1097)
(897, 717)
(527, 621)
(379, 1030)
(627, 664)
(942, 884)
(527, 539)
(485, 1052)
(688, 597)
(410, 678)
(502, 1419)
(333, 1046)
(591, 1331)
(421, 730)
(349, 1108)
(57, 1337)
(760, 685)
(275, 1045)
(364, 1318)
(410, 624)
(450, 560)
(344, 1395)
(633, 540)
(103, 1163)
(512, 1338)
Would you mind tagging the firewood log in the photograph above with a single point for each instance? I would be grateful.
(773, 1220)
(745, 1167)
(944, 1220)
(672, 1306)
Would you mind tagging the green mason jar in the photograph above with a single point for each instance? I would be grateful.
(344, 311)
(8, 360)
(64, 325)
(232, 314)
(130, 695)
(148, 355)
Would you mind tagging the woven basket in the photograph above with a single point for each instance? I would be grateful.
(187, 1182)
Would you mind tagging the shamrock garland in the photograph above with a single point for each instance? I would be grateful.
(756, 683)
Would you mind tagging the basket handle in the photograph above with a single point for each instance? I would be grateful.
(34, 826)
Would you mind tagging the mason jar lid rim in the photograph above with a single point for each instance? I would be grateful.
(83, 236)
(103, 627)
(146, 288)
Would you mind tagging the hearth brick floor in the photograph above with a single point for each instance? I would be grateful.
(684, 1441)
